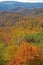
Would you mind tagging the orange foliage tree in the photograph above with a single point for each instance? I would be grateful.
(27, 55)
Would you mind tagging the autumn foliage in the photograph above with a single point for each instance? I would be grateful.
(21, 39)
(27, 55)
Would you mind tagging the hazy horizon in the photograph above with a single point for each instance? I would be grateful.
(31, 1)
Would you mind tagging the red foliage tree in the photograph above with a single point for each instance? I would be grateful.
(7, 39)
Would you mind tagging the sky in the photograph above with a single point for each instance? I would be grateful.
(24, 0)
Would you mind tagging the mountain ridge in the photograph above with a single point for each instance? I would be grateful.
(8, 5)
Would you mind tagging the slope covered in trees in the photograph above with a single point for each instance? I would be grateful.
(21, 39)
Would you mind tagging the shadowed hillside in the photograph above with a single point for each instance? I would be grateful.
(29, 12)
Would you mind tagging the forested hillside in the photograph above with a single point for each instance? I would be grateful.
(21, 37)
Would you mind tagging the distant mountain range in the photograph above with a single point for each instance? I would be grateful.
(11, 5)
(28, 9)
(12, 12)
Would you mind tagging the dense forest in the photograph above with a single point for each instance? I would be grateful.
(21, 39)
